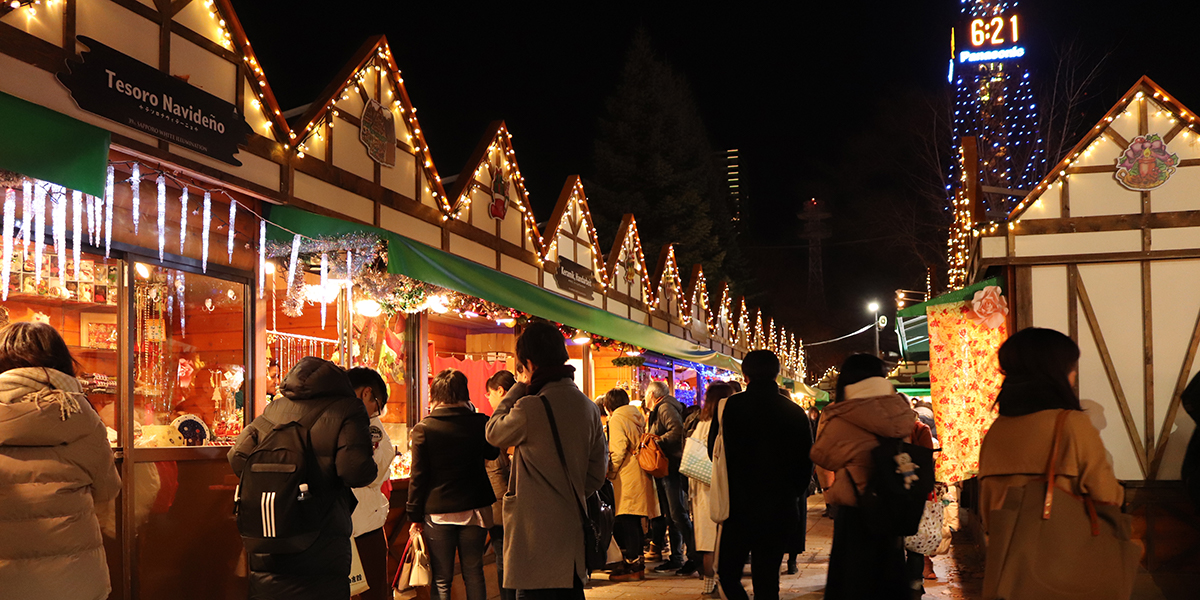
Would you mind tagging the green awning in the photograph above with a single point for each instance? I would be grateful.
(432, 265)
(40, 143)
(917, 310)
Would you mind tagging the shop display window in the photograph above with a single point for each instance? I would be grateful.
(189, 358)
(82, 301)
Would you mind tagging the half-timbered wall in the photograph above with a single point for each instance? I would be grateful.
(629, 288)
(570, 235)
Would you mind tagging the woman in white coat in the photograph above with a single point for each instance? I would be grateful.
(705, 527)
(632, 487)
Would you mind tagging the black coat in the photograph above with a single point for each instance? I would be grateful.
(448, 471)
(666, 422)
(341, 440)
(767, 441)
(1191, 458)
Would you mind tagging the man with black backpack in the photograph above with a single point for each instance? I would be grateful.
(297, 463)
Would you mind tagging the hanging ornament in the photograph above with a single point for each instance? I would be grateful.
(108, 211)
(26, 214)
(205, 223)
(76, 229)
(232, 216)
(59, 197)
(292, 264)
(10, 215)
(180, 286)
(262, 256)
(39, 226)
(349, 280)
(183, 213)
(136, 186)
(162, 214)
(91, 216)
(324, 278)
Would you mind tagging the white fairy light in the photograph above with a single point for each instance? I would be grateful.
(292, 264)
(205, 223)
(262, 256)
(39, 226)
(60, 227)
(136, 186)
(180, 286)
(349, 278)
(76, 229)
(183, 214)
(324, 279)
(162, 214)
(10, 215)
(232, 216)
(108, 212)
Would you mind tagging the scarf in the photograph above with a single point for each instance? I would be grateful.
(545, 375)
(42, 386)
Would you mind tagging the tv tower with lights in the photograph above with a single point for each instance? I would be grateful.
(994, 112)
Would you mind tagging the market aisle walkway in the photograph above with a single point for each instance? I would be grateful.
(960, 575)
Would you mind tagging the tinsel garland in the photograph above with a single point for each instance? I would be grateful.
(628, 361)
(10, 179)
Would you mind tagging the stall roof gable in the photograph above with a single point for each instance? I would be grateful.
(459, 192)
(1145, 87)
(281, 132)
(573, 191)
(374, 52)
(626, 233)
(697, 295)
(666, 273)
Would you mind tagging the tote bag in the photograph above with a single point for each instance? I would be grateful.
(358, 579)
(718, 491)
(1047, 543)
(695, 463)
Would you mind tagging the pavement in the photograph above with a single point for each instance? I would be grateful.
(960, 574)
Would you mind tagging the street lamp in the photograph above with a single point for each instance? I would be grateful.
(874, 308)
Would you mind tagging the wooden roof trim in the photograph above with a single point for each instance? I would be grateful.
(254, 72)
(572, 186)
(628, 228)
(460, 190)
(697, 283)
(1147, 87)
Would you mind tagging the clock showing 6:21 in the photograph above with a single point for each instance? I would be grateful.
(990, 39)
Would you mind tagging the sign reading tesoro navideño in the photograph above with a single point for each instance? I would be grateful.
(130, 92)
(378, 133)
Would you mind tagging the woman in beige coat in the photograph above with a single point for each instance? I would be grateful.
(56, 465)
(633, 487)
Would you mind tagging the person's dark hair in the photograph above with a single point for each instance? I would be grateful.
(1036, 363)
(614, 399)
(760, 365)
(736, 385)
(449, 387)
(713, 395)
(364, 377)
(25, 344)
(542, 344)
(500, 380)
(856, 368)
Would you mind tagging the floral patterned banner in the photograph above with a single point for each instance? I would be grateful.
(965, 377)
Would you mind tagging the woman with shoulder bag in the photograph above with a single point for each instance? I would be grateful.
(1042, 430)
(705, 527)
(632, 486)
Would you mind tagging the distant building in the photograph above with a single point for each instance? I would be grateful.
(736, 189)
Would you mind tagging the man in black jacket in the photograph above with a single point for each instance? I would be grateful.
(666, 422)
(341, 441)
(767, 441)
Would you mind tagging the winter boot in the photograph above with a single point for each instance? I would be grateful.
(632, 570)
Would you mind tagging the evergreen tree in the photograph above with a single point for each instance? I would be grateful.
(653, 158)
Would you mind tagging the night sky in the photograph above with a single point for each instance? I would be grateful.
(816, 96)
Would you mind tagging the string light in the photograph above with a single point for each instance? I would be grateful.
(292, 264)
(262, 256)
(91, 219)
(232, 216)
(59, 197)
(10, 215)
(136, 186)
(205, 224)
(108, 212)
(161, 182)
(26, 213)
(39, 227)
(183, 215)
(76, 229)
(324, 280)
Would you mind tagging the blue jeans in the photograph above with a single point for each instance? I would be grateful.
(674, 509)
(470, 542)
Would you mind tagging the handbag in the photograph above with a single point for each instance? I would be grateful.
(596, 515)
(358, 579)
(651, 457)
(929, 533)
(414, 566)
(1072, 549)
(718, 490)
(695, 463)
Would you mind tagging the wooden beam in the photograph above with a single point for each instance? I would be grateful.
(1111, 371)
(30, 49)
(1091, 169)
(1023, 297)
(1064, 198)
(1116, 137)
(1174, 131)
(1098, 257)
(1144, 220)
(1143, 118)
(1176, 398)
(69, 21)
(140, 9)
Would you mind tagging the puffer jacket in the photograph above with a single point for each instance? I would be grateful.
(56, 465)
(341, 441)
(847, 435)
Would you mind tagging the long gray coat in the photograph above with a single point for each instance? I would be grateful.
(543, 533)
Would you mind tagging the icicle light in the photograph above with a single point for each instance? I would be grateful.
(161, 182)
(183, 214)
(232, 216)
(180, 287)
(136, 186)
(91, 220)
(292, 264)
(349, 279)
(324, 279)
(262, 256)
(108, 212)
(10, 216)
(60, 228)
(26, 214)
(205, 224)
(39, 226)
(76, 229)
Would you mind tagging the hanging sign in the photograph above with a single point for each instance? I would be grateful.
(378, 133)
(499, 205)
(575, 278)
(1146, 163)
(130, 92)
